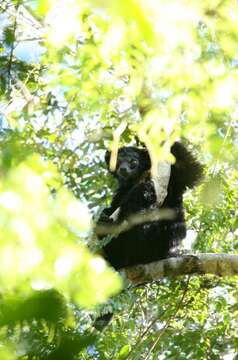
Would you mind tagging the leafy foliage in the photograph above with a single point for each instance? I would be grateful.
(70, 73)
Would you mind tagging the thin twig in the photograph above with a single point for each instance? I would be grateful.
(222, 147)
(141, 337)
(40, 38)
(162, 331)
(9, 69)
(133, 220)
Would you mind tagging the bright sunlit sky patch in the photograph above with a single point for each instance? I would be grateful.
(113, 40)
(225, 92)
(64, 20)
(11, 201)
(64, 265)
(172, 18)
(98, 264)
(189, 239)
(29, 51)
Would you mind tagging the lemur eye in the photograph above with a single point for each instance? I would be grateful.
(133, 163)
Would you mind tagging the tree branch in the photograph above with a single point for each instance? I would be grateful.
(9, 69)
(217, 264)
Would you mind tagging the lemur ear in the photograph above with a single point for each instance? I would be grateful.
(107, 157)
(146, 158)
(139, 143)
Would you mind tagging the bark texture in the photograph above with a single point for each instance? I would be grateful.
(207, 263)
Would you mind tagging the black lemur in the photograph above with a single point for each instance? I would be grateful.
(151, 240)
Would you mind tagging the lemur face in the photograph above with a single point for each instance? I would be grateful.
(131, 163)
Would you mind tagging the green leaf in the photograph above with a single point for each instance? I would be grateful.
(124, 352)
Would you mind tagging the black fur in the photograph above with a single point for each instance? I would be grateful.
(153, 240)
